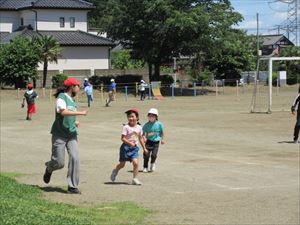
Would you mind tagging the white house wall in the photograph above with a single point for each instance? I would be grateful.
(28, 17)
(81, 58)
(9, 21)
(49, 19)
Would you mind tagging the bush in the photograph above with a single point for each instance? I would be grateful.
(58, 80)
(205, 75)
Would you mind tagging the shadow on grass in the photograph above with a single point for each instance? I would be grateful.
(54, 189)
(116, 183)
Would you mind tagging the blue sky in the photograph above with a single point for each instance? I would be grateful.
(271, 13)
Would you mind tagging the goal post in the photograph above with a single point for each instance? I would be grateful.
(270, 68)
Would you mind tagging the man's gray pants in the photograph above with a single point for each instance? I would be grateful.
(58, 158)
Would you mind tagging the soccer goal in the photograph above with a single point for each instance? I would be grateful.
(262, 93)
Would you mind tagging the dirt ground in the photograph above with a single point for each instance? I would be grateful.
(221, 165)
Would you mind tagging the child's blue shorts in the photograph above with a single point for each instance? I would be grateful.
(128, 153)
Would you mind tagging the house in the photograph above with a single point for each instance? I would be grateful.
(273, 43)
(65, 20)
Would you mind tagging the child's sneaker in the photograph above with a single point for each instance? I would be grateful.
(152, 167)
(113, 175)
(145, 170)
(136, 181)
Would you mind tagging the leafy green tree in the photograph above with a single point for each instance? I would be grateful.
(122, 60)
(18, 62)
(157, 30)
(292, 67)
(49, 51)
(235, 54)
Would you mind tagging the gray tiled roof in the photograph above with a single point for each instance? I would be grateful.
(65, 38)
(3, 35)
(271, 39)
(57, 4)
(77, 38)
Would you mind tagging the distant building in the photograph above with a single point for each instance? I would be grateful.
(274, 43)
(66, 21)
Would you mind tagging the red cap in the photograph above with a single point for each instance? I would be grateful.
(29, 86)
(71, 81)
(133, 110)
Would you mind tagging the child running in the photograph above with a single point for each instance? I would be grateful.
(30, 96)
(64, 135)
(132, 134)
(153, 132)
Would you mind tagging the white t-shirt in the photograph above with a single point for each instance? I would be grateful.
(142, 86)
(61, 104)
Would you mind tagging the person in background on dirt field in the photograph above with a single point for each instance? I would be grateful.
(153, 131)
(111, 92)
(142, 89)
(30, 95)
(132, 133)
(64, 135)
(293, 109)
(88, 89)
(86, 82)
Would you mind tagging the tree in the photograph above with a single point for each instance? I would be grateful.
(235, 54)
(157, 30)
(49, 51)
(292, 67)
(122, 60)
(18, 62)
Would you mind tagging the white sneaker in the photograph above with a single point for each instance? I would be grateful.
(113, 175)
(145, 170)
(136, 181)
(153, 167)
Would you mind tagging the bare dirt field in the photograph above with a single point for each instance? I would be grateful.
(220, 165)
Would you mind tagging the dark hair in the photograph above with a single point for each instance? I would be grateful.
(137, 116)
(60, 90)
(129, 112)
(156, 116)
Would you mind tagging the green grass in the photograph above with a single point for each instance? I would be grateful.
(23, 204)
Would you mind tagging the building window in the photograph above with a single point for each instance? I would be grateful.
(72, 22)
(22, 21)
(62, 22)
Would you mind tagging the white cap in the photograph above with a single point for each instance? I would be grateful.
(112, 80)
(153, 111)
(85, 79)
(142, 81)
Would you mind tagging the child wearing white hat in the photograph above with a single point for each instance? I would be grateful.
(153, 131)
(111, 92)
(142, 89)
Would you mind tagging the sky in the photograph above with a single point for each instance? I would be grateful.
(271, 13)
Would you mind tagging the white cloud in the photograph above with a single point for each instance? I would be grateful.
(251, 24)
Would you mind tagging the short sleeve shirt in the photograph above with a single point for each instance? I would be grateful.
(132, 133)
(153, 131)
(61, 104)
(112, 86)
